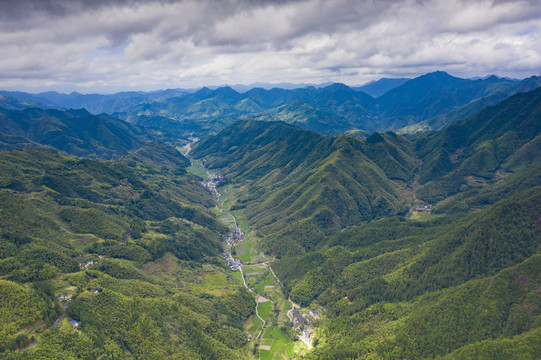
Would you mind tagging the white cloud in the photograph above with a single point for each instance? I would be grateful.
(160, 44)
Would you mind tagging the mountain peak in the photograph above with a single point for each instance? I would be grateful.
(203, 92)
(439, 75)
(433, 80)
(226, 90)
(338, 87)
(380, 87)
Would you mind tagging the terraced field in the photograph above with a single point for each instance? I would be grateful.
(275, 345)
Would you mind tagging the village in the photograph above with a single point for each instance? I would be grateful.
(230, 240)
(212, 183)
(302, 320)
(65, 299)
(233, 237)
(427, 208)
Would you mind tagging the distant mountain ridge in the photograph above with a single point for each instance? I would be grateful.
(380, 87)
(432, 101)
(428, 102)
(94, 103)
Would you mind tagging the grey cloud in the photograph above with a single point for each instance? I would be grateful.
(185, 43)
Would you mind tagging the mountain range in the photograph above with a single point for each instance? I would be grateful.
(429, 102)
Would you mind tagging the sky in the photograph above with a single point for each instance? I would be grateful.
(107, 46)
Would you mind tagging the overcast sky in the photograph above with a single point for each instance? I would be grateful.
(107, 46)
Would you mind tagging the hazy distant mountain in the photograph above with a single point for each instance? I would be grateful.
(94, 103)
(428, 102)
(13, 103)
(267, 86)
(467, 98)
(381, 86)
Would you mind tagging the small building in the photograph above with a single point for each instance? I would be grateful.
(74, 323)
(427, 208)
(86, 265)
(314, 313)
(297, 319)
(65, 297)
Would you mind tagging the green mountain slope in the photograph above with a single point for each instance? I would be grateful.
(461, 279)
(421, 289)
(74, 131)
(482, 147)
(141, 228)
(488, 317)
(306, 117)
(298, 181)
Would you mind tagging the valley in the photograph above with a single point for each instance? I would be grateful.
(273, 331)
(376, 269)
(268, 241)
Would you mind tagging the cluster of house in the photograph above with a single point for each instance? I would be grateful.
(212, 182)
(86, 265)
(65, 299)
(193, 139)
(299, 320)
(233, 237)
(233, 264)
(427, 208)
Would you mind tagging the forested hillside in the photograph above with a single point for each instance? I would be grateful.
(74, 131)
(301, 187)
(492, 144)
(131, 242)
(420, 248)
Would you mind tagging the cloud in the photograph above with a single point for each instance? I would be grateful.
(144, 44)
